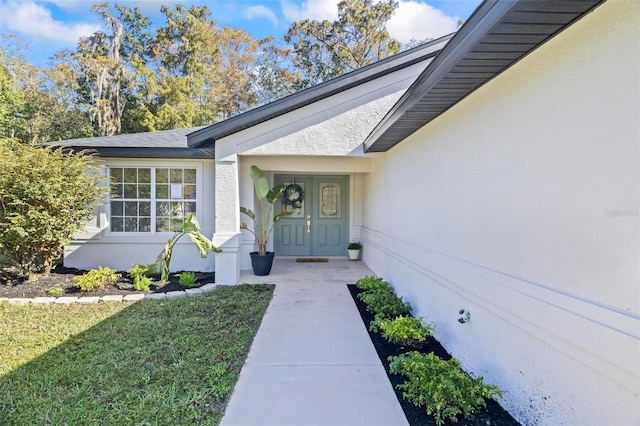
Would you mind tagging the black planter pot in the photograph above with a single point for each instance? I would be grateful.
(261, 264)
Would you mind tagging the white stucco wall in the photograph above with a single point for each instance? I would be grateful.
(334, 126)
(98, 247)
(521, 204)
(324, 137)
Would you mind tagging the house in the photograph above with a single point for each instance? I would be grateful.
(496, 170)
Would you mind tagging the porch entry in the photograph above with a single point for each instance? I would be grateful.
(319, 220)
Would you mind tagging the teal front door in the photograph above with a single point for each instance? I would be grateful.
(319, 221)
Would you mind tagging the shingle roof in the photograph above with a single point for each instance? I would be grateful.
(160, 144)
(497, 35)
(209, 135)
(176, 138)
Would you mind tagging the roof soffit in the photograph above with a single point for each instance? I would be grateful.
(497, 35)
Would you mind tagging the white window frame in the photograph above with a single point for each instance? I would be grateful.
(198, 166)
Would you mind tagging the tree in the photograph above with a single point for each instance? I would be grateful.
(200, 73)
(104, 73)
(46, 195)
(68, 117)
(11, 104)
(324, 49)
(136, 49)
(38, 105)
(274, 79)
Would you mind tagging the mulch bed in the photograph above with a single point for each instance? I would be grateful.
(493, 415)
(13, 286)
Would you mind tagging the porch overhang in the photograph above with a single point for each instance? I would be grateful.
(207, 136)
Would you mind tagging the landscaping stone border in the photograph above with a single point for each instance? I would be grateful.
(191, 292)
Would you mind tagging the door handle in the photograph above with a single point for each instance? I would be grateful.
(308, 226)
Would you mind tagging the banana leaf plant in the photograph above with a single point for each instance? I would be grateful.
(190, 227)
(267, 197)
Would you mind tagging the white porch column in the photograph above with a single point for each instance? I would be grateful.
(227, 233)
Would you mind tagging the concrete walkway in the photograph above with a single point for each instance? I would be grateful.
(312, 362)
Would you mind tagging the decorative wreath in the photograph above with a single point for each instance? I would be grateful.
(293, 195)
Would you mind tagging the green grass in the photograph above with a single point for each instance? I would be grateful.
(164, 362)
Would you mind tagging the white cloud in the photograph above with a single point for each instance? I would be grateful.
(420, 21)
(412, 19)
(253, 12)
(33, 20)
(310, 9)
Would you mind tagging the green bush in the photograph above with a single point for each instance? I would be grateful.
(188, 279)
(139, 275)
(143, 284)
(46, 196)
(96, 279)
(441, 387)
(385, 304)
(403, 330)
(55, 291)
(372, 284)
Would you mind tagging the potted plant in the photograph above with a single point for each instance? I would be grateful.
(262, 260)
(353, 250)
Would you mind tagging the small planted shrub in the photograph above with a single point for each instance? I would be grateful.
(97, 279)
(385, 304)
(139, 275)
(441, 387)
(371, 284)
(190, 227)
(404, 330)
(55, 291)
(188, 280)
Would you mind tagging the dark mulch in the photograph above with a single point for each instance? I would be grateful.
(493, 415)
(12, 285)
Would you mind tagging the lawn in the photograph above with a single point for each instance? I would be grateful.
(152, 362)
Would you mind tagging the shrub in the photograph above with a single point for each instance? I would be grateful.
(354, 246)
(441, 387)
(372, 284)
(55, 291)
(385, 304)
(97, 279)
(188, 279)
(46, 195)
(143, 284)
(403, 330)
(141, 281)
(190, 227)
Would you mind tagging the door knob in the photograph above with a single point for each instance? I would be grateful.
(308, 226)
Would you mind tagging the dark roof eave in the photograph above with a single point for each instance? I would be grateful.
(208, 135)
(134, 152)
(401, 121)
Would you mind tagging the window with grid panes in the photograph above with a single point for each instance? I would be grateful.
(151, 199)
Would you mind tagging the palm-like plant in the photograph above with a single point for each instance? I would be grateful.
(190, 227)
(268, 197)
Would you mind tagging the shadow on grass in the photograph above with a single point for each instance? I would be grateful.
(154, 362)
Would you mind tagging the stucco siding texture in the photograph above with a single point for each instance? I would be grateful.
(520, 204)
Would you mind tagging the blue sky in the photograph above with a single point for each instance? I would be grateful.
(51, 25)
